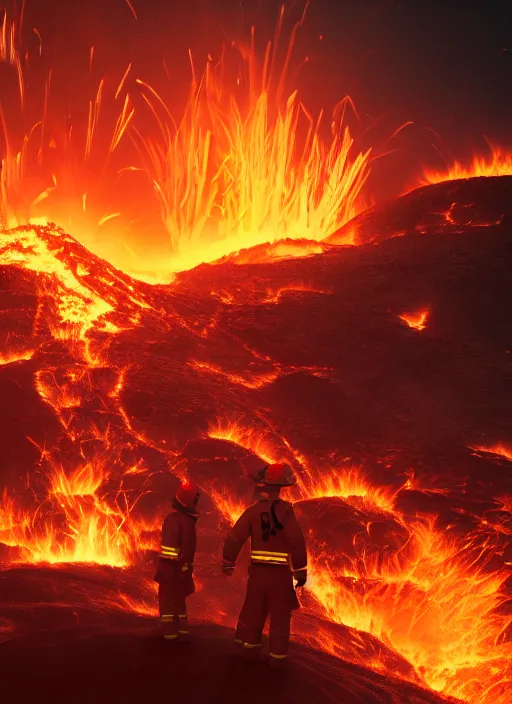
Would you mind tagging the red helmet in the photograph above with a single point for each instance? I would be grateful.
(255, 470)
(279, 474)
(188, 496)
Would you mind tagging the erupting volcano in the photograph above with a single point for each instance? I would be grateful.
(237, 300)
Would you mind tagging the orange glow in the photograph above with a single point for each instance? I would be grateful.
(499, 163)
(261, 443)
(228, 506)
(268, 184)
(11, 357)
(246, 164)
(242, 174)
(506, 503)
(348, 484)
(87, 536)
(496, 450)
(416, 320)
(447, 620)
(79, 308)
(274, 296)
(145, 605)
(256, 382)
(75, 523)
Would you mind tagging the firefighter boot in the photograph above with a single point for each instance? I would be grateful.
(169, 626)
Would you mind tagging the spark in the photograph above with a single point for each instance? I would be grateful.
(131, 8)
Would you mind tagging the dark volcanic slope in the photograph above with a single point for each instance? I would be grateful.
(382, 381)
(108, 385)
(76, 655)
(453, 206)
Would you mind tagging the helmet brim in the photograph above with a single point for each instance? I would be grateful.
(292, 482)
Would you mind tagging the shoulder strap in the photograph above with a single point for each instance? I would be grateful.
(266, 526)
(277, 522)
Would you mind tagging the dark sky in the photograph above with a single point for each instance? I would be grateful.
(444, 64)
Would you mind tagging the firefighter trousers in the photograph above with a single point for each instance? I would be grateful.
(270, 592)
(173, 610)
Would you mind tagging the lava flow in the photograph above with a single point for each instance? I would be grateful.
(380, 371)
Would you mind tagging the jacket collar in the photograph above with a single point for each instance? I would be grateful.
(266, 493)
(194, 515)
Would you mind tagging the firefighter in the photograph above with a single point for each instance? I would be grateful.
(176, 562)
(278, 556)
(256, 473)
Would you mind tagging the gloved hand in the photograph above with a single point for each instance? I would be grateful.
(187, 569)
(301, 577)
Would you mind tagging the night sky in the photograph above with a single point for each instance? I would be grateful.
(444, 64)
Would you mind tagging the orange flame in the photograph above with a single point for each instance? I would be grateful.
(442, 599)
(226, 177)
(498, 449)
(229, 506)
(348, 483)
(75, 523)
(87, 530)
(11, 357)
(266, 184)
(499, 163)
(259, 442)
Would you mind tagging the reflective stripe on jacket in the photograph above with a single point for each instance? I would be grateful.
(275, 533)
(178, 545)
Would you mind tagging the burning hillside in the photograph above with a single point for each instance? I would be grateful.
(370, 348)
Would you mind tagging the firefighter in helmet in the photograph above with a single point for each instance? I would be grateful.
(176, 561)
(278, 556)
(255, 472)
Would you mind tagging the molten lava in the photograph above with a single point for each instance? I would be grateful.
(286, 351)
(416, 320)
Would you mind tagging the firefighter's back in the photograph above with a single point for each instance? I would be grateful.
(269, 541)
(270, 571)
(278, 555)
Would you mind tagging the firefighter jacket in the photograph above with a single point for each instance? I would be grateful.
(276, 536)
(177, 549)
